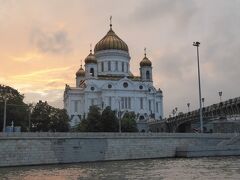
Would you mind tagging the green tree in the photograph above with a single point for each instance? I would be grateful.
(47, 118)
(82, 126)
(108, 121)
(128, 122)
(91, 124)
(17, 110)
(59, 120)
(97, 122)
(40, 117)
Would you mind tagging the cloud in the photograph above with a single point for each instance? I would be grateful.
(181, 12)
(53, 97)
(51, 42)
(38, 74)
(29, 56)
(41, 81)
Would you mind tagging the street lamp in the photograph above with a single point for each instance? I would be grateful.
(203, 102)
(173, 112)
(5, 93)
(199, 85)
(119, 115)
(220, 95)
(188, 105)
(29, 117)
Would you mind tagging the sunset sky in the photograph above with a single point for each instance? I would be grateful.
(43, 41)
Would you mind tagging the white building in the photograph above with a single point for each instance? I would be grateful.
(108, 81)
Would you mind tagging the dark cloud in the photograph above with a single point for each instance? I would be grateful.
(51, 42)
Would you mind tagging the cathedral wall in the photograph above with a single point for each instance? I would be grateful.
(114, 62)
(97, 92)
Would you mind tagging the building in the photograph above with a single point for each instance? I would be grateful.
(108, 81)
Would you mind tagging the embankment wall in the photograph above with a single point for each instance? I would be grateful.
(51, 148)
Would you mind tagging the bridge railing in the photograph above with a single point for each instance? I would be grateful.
(230, 107)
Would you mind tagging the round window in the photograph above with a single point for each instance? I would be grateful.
(92, 88)
(109, 86)
(140, 87)
(125, 84)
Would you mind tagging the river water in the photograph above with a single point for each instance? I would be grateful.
(180, 168)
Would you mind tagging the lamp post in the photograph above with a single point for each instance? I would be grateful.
(119, 116)
(199, 85)
(173, 112)
(4, 114)
(203, 102)
(29, 118)
(220, 96)
(188, 105)
(4, 93)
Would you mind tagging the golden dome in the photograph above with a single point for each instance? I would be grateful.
(90, 58)
(111, 41)
(145, 61)
(80, 72)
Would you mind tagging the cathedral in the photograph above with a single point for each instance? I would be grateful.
(106, 80)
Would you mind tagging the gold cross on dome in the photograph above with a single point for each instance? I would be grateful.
(91, 48)
(110, 21)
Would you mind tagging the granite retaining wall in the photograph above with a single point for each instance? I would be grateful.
(18, 149)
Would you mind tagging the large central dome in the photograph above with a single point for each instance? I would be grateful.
(111, 41)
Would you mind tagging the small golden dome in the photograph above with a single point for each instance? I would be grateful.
(111, 41)
(80, 72)
(90, 58)
(145, 61)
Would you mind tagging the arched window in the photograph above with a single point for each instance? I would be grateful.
(116, 65)
(122, 66)
(147, 75)
(109, 65)
(102, 66)
(92, 71)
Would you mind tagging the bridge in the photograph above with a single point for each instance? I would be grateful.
(184, 122)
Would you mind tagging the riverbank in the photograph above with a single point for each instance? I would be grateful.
(17, 149)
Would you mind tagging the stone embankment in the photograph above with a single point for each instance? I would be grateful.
(18, 149)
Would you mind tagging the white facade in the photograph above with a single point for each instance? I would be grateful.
(110, 83)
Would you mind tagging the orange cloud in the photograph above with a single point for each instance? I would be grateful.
(38, 74)
(29, 56)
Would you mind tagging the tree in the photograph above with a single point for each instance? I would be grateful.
(128, 122)
(97, 122)
(108, 121)
(92, 123)
(82, 126)
(17, 110)
(40, 117)
(59, 120)
(47, 118)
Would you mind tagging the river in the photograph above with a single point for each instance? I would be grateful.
(169, 168)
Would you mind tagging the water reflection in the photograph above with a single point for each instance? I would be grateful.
(195, 168)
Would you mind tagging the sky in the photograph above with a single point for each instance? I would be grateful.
(42, 43)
